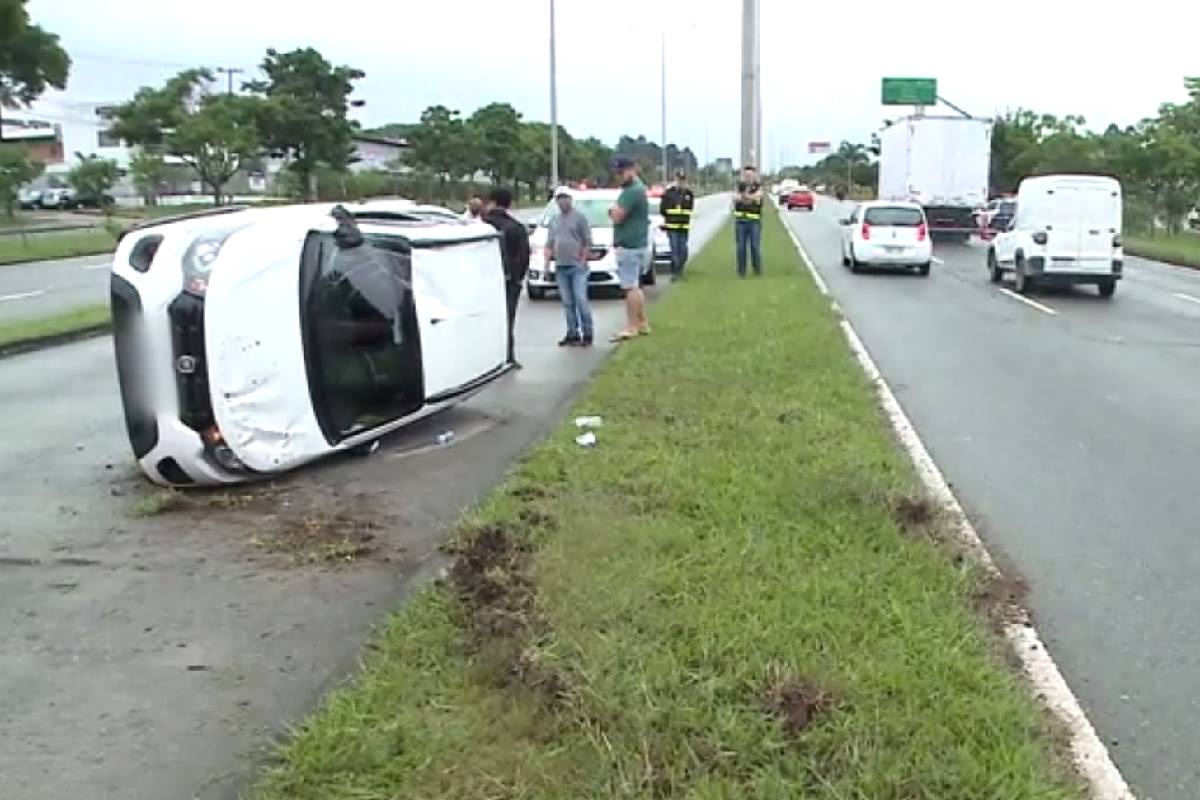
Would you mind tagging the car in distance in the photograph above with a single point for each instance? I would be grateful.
(887, 234)
(29, 199)
(1066, 231)
(801, 197)
(250, 341)
(602, 273)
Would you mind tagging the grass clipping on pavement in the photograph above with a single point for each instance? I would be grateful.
(731, 596)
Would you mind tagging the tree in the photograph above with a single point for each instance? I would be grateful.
(439, 143)
(16, 170)
(31, 59)
(496, 131)
(304, 116)
(93, 176)
(148, 170)
(211, 133)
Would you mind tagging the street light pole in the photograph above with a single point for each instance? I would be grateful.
(665, 166)
(553, 106)
(751, 98)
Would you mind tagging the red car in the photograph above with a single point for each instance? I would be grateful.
(800, 198)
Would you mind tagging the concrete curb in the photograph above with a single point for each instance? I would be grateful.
(53, 340)
(1090, 756)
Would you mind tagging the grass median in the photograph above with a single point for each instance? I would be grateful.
(739, 592)
(1182, 249)
(16, 249)
(16, 335)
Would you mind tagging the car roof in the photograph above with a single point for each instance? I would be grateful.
(889, 204)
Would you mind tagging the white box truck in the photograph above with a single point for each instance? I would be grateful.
(942, 163)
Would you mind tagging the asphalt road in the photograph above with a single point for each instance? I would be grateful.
(45, 288)
(156, 657)
(1068, 428)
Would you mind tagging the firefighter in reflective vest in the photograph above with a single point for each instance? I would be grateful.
(747, 215)
(678, 202)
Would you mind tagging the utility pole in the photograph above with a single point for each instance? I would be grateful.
(230, 72)
(665, 165)
(751, 98)
(553, 106)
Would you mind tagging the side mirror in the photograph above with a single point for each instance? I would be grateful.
(845, 222)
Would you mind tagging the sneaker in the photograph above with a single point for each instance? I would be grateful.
(586, 341)
(570, 340)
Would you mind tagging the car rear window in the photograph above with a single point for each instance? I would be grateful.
(896, 216)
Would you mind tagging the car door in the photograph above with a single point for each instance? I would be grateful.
(461, 310)
(847, 230)
(1004, 244)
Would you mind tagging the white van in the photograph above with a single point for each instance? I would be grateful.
(1066, 230)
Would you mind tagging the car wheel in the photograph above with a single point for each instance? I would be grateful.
(994, 272)
(923, 270)
(1107, 287)
(1021, 282)
(855, 266)
(536, 292)
(649, 277)
(845, 258)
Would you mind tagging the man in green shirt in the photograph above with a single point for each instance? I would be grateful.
(631, 245)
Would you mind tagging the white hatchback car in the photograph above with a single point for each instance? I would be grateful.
(887, 234)
(251, 341)
(594, 205)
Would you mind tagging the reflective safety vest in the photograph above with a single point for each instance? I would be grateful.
(677, 207)
(750, 210)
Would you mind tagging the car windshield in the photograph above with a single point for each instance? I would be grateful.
(594, 209)
(896, 216)
(360, 330)
(1007, 209)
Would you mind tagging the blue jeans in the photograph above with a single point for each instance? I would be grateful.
(749, 237)
(573, 290)
(679, 250)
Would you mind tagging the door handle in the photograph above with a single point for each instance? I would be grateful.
(1094, 232)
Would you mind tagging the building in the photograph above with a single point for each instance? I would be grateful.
(377, 153)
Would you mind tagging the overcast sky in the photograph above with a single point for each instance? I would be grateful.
(821, 61)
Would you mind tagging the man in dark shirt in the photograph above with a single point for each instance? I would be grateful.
(747, 214)
(514, 252)
(677, 205)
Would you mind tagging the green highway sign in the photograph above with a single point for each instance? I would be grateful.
(909, 91)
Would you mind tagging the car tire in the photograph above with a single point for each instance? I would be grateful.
(923, 270)
(536, 293)
(1107, 287)
(995, 274)
(649, 277)
(1022, 283)
(855, 266)
(845, 258)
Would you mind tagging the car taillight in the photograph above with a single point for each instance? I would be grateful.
(866, 231)
(1040, 237)
(922, 232)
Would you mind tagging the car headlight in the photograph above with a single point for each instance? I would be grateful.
(200, 256)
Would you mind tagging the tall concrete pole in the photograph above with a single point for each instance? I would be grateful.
(751, 97)
(553, 106)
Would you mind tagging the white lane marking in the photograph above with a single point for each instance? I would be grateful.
(1187, 297)
(105, 265)
(1028, 302)
(937, 260)
(1088, 751)
(22, 295)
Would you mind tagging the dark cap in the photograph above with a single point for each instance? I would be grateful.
(622, 162)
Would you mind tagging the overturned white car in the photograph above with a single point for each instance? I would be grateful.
(250, 341)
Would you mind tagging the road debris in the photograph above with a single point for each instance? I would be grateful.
(588, 422)
(586, 439)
